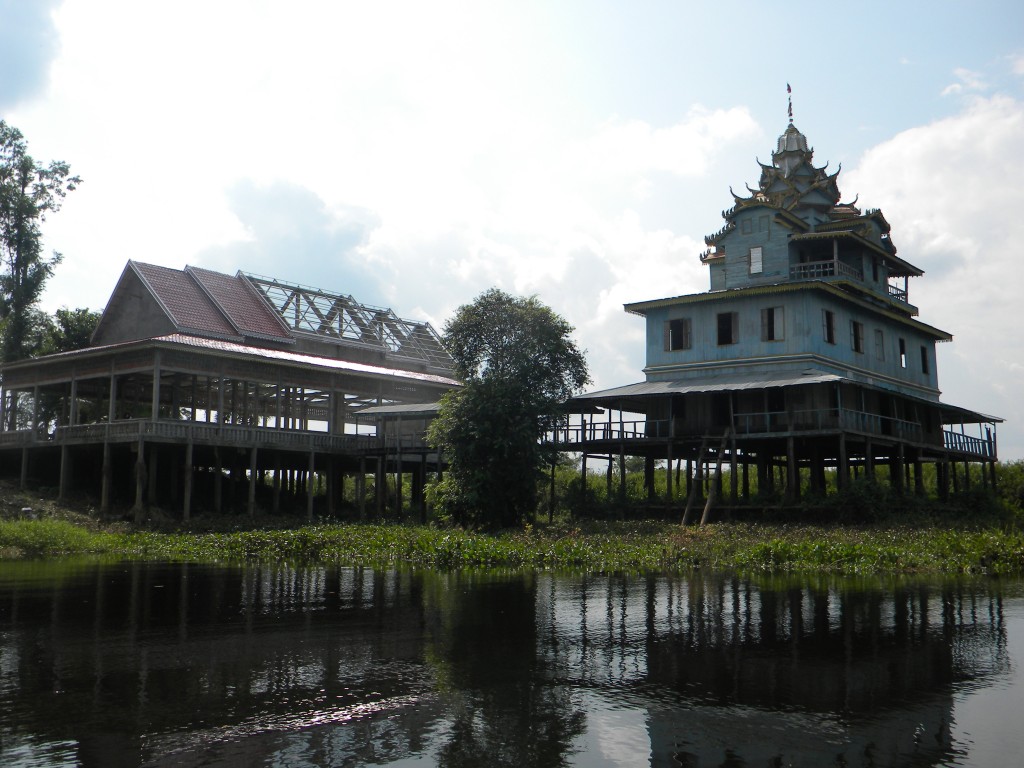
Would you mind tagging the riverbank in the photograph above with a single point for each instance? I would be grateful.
(44, 529)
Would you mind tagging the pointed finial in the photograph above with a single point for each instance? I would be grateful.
(789, 92)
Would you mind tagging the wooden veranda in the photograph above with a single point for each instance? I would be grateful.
(783, 435)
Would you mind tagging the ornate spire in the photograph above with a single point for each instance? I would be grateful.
(789, 94)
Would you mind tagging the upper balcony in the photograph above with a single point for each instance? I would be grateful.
(837, 270)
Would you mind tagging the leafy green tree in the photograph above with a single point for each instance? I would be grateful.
(519, 365)
(28, 192)
(69, 329)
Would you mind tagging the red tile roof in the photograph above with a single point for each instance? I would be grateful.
(191, 310)
(243, 307)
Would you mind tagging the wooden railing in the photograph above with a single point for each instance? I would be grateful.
(828, 418)
(957, 441)
(814, 270)
(615, 431)
(205, 434)
(897, 293)
(755, 423)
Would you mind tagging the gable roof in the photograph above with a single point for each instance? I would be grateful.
(150, 300)
(190, 308)
(246, 311)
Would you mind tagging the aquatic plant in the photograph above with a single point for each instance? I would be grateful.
(609, 545)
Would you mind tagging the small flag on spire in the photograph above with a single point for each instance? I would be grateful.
(788, 89)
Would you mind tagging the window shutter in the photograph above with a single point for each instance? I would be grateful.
(755, 260)
(667, 336)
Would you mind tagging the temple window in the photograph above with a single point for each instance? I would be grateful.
(728, 328)
(772, 324)
(857, 336)
(678, 334)
(828, 322)
(924, 360)
(755, 260)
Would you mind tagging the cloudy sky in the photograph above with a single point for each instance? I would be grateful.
(415, 154)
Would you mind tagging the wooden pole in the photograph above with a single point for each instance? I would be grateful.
(792, 471)
(310, 476)
(251, 501)
(186, 512)
(105, 478)
(140, 478)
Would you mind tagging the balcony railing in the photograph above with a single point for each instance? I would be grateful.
(616, 431)
(754, 423)
(815, 270)
(200, 433)
(898, 293)
(957, 441)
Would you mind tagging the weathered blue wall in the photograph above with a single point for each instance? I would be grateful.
(803, 334)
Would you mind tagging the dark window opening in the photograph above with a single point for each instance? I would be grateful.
(728, 328)
(924, 360)
(828, 320)
(772, 324)
(678, 334)
(857, 336)
(903, 353)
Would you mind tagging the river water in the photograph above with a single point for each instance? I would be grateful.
(133, 664)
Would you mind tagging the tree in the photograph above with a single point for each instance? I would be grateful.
(28, 192)
(519, 365)
(69, 329)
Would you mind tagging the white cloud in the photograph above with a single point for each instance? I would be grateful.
(951, 191)
(967, 80)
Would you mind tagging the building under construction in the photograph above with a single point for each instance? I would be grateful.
(206, 390)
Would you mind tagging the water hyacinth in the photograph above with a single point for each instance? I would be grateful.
(601, 546)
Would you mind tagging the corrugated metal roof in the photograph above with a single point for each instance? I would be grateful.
(230, 347)
(404, 409)
(716, 384)
(295, 357)
(731, 384)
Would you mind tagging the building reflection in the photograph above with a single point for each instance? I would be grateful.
(135, 664)
(780, 672)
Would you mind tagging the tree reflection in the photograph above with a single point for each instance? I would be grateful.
(502, 705)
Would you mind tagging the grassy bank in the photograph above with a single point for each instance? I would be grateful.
(598, 546)
(915, 538)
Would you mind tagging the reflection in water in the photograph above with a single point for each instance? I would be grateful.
(135, 664)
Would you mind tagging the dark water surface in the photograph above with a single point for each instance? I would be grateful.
(186, 665)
